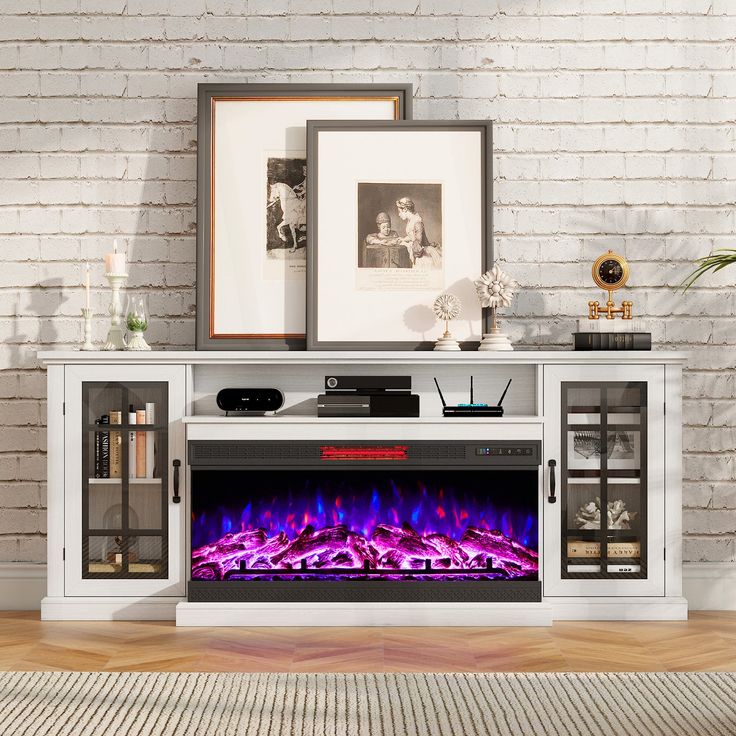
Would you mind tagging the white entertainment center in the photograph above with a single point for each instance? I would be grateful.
(574, 404)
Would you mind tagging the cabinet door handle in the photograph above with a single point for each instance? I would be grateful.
(552, 484)
(177, 465)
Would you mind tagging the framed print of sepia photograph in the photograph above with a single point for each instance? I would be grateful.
(397, 214)
(252, 203)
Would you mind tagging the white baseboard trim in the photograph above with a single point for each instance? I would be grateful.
(619, 609)
(22, 586)
(363, 614)
(108, 609)
(710, 586)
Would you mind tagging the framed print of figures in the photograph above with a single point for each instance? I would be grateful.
(251, 211)
(397, 213)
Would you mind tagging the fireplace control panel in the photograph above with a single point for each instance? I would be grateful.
(513, 451)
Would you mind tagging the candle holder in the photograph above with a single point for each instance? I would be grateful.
(87, 315)
(115, 337)
(136, 318)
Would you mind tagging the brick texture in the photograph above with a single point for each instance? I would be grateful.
(614, 128)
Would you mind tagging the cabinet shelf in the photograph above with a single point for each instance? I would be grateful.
(595, 534)
(115, 481)
(126, 428)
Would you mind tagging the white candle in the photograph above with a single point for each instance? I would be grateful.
(86, 285)
(115, 262)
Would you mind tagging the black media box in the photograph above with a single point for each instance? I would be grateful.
(368, 405)
(368, 396)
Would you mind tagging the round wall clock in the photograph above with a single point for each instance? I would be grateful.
(610, 271)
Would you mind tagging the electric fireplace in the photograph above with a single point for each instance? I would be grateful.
(366, 521)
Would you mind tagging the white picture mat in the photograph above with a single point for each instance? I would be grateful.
(245, 131)
(348, 157)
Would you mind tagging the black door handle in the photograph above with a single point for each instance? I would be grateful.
(552, 484)
(177, 465)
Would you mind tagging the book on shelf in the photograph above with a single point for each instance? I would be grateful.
(612, 340)
(612, 334)
(150, 453)
(98, 450)
(582, 548)
(131, 443)
(140, 445)
(104, 448)
(116, 446)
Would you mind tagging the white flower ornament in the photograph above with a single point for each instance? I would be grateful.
(447, 307)
(495, 288)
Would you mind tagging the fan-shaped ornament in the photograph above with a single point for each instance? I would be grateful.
(495, 289)
(447, 307)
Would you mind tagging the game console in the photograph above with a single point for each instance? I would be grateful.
(368, 396)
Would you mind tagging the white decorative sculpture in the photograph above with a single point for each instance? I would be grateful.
(447, 307)
(495, 289)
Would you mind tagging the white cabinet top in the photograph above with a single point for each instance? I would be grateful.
(328, 357)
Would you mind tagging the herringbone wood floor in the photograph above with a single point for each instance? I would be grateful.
(706, 642)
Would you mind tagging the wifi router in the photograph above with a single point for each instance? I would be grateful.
(472, 409)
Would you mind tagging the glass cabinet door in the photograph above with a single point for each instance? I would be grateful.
(124, 482)
(604, 482)
(604, 479)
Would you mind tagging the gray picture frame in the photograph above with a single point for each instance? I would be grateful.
(314, 128)
(206, 338)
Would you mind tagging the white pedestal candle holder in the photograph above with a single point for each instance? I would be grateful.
(87, 315)
(115, 335)
(136, 341)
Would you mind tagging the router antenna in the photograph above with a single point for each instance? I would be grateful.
(439, 391)
(500, 401)
(471, 389)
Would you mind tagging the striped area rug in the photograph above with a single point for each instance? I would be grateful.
(671, 704)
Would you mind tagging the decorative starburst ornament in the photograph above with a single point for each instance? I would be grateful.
(447, 307)
(495, 289)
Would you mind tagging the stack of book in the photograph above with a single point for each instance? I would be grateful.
(612, 334)
(141, 448)
(593, 549)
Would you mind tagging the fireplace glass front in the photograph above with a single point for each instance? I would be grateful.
(363, 528)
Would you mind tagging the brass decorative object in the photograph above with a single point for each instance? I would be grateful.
(610, 272)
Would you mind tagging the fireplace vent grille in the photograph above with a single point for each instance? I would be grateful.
(438, 452)
(246, 451)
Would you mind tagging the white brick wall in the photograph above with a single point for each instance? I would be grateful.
(614, 128)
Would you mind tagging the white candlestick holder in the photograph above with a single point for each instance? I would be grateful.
(115, 336)
(87, 315)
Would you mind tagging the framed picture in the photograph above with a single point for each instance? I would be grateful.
(251, 211)
(584, 450)
(397, 214)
